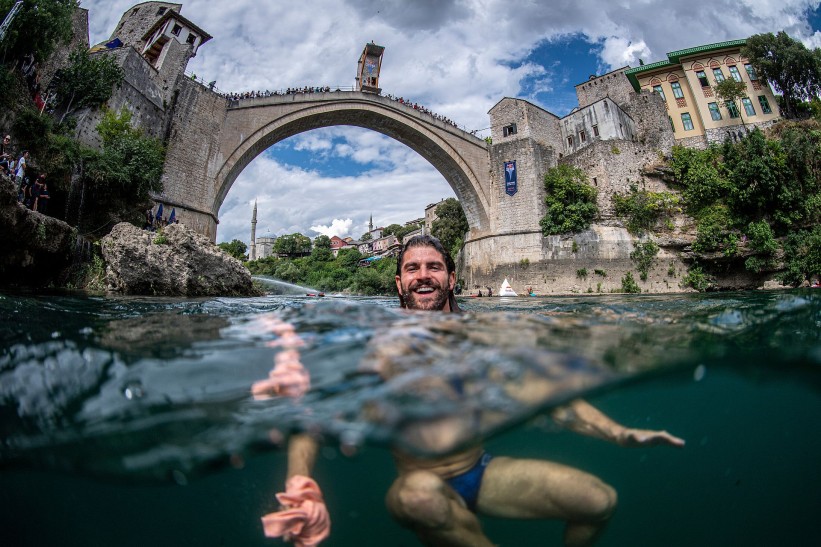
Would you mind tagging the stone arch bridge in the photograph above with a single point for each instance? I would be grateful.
(211, 140)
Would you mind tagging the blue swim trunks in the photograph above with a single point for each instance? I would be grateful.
(467, 484)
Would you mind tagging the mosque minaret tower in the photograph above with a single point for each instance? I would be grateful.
(252, 255)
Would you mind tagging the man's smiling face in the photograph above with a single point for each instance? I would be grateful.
(424, 282)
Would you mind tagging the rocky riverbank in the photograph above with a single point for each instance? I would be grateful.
(174, 262)
(35, 249)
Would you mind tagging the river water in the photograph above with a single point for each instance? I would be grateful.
(132, 421)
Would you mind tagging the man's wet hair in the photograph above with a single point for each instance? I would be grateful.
(450, 266)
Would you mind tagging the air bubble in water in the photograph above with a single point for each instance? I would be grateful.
(134, 390)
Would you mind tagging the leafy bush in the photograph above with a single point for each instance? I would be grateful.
(715, 231)
(802, 255)
(697, 279)
(644, 209)
(571, 202)
(581, 273)
(629, 285)
(643, 255)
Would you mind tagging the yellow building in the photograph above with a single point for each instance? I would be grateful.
(685, 83)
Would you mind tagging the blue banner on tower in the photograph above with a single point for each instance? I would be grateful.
(510, 178)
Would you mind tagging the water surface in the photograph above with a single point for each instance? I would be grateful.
(126, 421)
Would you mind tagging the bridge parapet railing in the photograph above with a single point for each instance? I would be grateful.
(236, 100)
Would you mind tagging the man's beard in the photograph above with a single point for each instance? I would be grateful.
(435, 301)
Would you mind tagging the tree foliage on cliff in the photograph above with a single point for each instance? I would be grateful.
(39, 27)
(788, 65)
(88, 81)
(451, 226)
(644, 209)
(121, 176)
(235, 248)
(570, 200)
(754, 191)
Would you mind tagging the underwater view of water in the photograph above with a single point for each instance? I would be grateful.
(141, 421)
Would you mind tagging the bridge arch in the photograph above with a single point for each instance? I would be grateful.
(253, 125)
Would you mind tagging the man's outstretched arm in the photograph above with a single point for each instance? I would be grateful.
(581, 417)
(302, 450)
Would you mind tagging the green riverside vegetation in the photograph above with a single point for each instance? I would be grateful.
(757, 195)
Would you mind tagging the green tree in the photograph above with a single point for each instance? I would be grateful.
(88, 81)
(40, 26)
(391, 229)
(644, 255)
(292, 245)
(235, 248)
(643, 209)
(366, 237)
(802, 254)
(703, 176)
(119, 179)
(570, 200)
(400, 231)
(788, 65)
(730, 92)
(451, 226)
(322, 249)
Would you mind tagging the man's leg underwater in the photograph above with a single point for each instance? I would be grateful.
(423, 502)
(537, 489)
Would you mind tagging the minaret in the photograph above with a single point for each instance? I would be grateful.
(370, 225)
(252, 255)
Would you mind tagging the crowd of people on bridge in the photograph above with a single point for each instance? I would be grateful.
(422, 109)
(268, 93)
(32, 187)
(309, 89)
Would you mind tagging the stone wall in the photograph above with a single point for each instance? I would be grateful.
(59, 58)
(613, 85)
(612, 166)
(653, 128)
(531, 122)
(602, 120)
(137, 19)
(523, 210)
(138, 92)
(192, 156)
(555, 264)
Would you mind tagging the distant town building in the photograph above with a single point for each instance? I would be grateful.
(382, 244)
(408, 236)
(684, 81)
(430, 216)
(338, 243)
(265, 247)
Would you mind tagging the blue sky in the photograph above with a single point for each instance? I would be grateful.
(457, 57)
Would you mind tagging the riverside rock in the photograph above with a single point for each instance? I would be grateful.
(35, 249)
(174, 262)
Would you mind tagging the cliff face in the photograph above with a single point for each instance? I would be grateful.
(35, 249)
(176, 262)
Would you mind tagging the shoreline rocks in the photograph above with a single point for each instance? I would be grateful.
(35, 249)
(173, 262)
